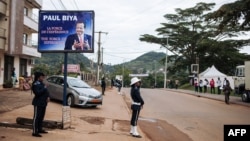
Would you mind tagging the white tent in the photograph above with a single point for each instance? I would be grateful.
(213, 73)
(201, 74)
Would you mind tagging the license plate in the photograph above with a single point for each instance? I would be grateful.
(95, 100)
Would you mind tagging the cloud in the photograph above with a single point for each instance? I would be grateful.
(125, 21)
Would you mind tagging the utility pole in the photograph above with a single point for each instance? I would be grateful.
(165, 74)
(103, 72)
(99, 55)
(155, 73)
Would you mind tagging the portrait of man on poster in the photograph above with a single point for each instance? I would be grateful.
(78, 40)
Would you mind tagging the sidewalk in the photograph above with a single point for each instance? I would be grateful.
(221, 97)
(109, 122)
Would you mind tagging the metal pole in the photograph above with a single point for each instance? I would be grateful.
(99, 55)
(65, 79)
(103, 72)
(165, 74)
(98, 58)
(123, 74)
(155, 73)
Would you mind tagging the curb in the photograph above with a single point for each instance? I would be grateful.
(212, 98)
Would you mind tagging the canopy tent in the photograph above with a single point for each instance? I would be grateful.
(213, 72)
(201, 74)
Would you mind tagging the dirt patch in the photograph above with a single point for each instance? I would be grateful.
(12, 99)
(94, 120)
(159, 130)
(121, 125)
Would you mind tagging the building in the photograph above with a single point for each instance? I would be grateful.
(18, 24)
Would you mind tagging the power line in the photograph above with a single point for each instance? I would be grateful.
(76, 5)
(62, 4)
(53, 4)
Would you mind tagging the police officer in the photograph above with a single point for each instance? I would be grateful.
(40, 101)
(137, 104)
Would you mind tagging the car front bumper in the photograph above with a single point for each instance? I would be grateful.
(86, 101)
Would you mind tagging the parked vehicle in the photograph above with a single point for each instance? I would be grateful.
(78, 92)
(242, 81)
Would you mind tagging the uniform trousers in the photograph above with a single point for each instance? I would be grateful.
(135, 116)
(39, 113)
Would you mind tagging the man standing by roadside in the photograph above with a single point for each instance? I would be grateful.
(212, 89)
(103, 85)
(218, 82)
(40, 101)
(13, 77)
(137, 104)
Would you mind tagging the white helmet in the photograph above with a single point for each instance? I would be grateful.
(134, 80)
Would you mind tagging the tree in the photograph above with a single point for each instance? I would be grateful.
(234, 16)
(190, 35)
(41, 68)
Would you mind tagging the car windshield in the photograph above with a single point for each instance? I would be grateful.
(78, 83)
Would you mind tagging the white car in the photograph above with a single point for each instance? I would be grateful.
(78, 92)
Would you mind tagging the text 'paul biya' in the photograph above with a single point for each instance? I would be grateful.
(59, 18)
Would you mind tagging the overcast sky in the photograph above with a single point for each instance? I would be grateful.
(125, 21)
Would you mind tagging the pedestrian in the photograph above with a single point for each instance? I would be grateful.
(196, 85)
(103, 85)
(13, 77)
(224, 82)
(40, 101)
(200, 85)
(112, 83)
(206, 83)
(136, 106)
(218, 82)
(227, 90)
(119, 85)
(176, 84)
(212, 88)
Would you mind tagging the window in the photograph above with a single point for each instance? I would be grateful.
(52, 79)
(25, 11)
(25, 38)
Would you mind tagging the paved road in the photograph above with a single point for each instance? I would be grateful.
(200, 118)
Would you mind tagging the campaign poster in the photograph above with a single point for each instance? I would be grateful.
(66, 31)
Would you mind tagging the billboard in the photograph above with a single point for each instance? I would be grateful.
(72, 68)
(66, 31)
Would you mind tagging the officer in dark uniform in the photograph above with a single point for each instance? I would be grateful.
(40, 101)
(137, 104)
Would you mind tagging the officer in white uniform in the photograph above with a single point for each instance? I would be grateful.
(137, 104)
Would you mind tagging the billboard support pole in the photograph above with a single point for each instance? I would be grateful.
(65, 79)
(66, 114)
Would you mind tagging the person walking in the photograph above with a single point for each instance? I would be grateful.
(13, 77)
(112, 83)
(40, 101)
(119, 85)
(227, 90)
(200, 86)
(206, 83)
(103, 85)
(218, 82)
(196, 85)
(136, 106)
(224, 82)
(212, 88)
